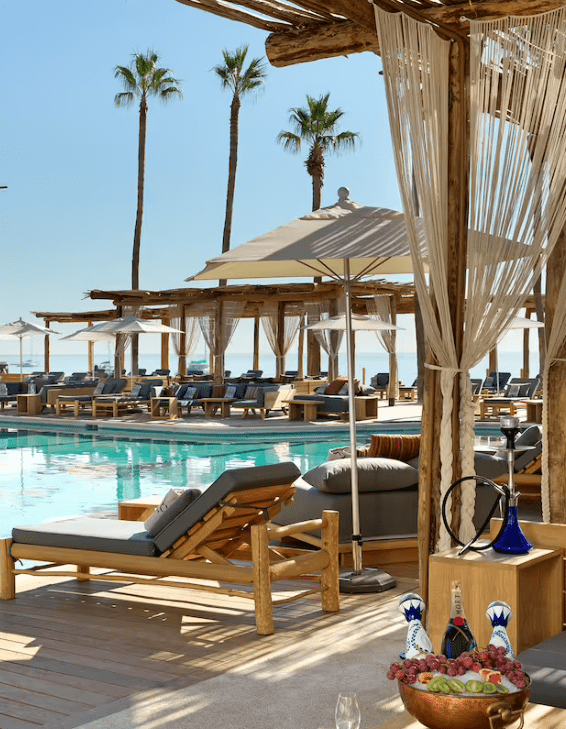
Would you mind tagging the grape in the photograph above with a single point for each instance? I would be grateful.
(399, 675)
(517, 664)
(411, 679)
(407, 663)
(452, 672)
(443, 669)
(391, 675)
(461, 670)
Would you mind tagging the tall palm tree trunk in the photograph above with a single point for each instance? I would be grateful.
(138, 227)
(316, 192)
(232, 165)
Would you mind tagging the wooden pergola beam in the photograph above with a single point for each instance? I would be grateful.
(356, 33)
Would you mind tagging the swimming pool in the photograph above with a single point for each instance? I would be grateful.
(48, 473)
(52, 471)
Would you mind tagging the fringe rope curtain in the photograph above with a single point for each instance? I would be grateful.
(517, 185)
(268, 311)
(207, 317)
(189, 324)
(379, 307)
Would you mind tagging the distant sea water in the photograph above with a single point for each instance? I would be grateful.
(237, 363)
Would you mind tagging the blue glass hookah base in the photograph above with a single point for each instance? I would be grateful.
(512, 539)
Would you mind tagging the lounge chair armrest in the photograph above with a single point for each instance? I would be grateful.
(278, 532)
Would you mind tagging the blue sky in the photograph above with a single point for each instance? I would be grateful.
(69, 156)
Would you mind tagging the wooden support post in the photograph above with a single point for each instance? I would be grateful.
(7, 576)
(255, 363)
(393, 386)
(182, 366)
(262, 580)
(329, 576)
(555, 397)
(301, 349)
(47, 350)
(165, 344)
(280, 365)
(82, 573)
(90, 349)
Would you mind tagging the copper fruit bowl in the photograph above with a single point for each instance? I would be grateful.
(450, 711)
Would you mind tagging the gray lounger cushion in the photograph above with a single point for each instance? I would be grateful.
(126, 537)
(546, 665)
(98, 535)
(374, 474)
(238, 479)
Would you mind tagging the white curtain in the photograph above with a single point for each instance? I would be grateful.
(181, 318)
(218, 330)
(379, 308)
(269, 313)
(329, 340)
(517, 191)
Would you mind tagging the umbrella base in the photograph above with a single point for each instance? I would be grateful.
(368, 580)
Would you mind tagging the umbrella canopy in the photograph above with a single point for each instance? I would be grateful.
(359, 324)
(345, 242)
(90, 334)
(373, 240)
(135, 325)
(22, 330)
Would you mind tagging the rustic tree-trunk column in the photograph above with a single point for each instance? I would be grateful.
(457, 221)
(526, 351)
(280, 368)
(255, 363)
(301, 349)
(90, 350)
(165, 344)
(47, 350)
(393, 387)
(556, 395)
(182, 360)
(218, 356)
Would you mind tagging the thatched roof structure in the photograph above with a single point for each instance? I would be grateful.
(313, 29)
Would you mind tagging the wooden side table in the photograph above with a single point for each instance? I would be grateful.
(532, 584)
(138, 509)
(306, 409)
(29, 404)
(366, 407)
(211, 405)
(534, 410)
(162, 408)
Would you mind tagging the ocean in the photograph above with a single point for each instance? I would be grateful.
(367, 364)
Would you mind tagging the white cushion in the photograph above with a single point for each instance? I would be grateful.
(99, 389)
(170, 497)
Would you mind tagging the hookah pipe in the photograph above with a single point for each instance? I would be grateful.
(510, 538)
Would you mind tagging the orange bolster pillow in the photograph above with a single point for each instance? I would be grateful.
(401, 447)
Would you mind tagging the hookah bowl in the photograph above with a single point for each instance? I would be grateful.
(512, 540)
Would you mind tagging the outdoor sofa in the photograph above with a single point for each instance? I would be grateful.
(111, 386)
(10, 390)
(333, 398)
(388, 479)
(194, 536)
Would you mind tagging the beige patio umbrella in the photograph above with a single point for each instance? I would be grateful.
(358, 579)
(345, 242)
(23, 330)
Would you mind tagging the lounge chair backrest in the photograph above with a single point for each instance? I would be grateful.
(204, 390)
(114, 386)
(520, 387)
(238, 479)
(500, 379)
(380, 380)
(163, 373)
(476, 386)
(146, 388)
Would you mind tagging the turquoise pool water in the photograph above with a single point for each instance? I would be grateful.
(51, 473)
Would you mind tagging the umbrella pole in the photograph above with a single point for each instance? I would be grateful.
(358, 580)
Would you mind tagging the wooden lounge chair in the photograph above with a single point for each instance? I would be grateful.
(140, 397)
(196, 538)
(516, 392)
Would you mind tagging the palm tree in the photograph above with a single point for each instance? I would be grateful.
(316, 124)
(241, 82)
(142, 79)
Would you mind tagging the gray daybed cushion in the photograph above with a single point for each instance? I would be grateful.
(546, 665)
(90, 533)
(130, 537)
(374, 474)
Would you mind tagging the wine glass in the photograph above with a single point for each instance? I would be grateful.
(347, 712)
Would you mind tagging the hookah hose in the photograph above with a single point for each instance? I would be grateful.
(502, 493)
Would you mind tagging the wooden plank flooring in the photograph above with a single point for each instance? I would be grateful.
(70, 651)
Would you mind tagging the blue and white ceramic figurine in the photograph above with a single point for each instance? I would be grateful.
(499, 613)
(418, 643)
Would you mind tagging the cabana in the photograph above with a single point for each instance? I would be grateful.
(467, 84)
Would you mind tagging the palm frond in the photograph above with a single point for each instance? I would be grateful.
(125, 98)
(291, 142)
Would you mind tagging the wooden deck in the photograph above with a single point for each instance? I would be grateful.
(71, 652)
